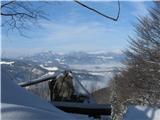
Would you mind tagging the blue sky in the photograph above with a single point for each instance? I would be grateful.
(75, 28)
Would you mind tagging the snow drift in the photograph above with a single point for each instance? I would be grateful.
(142, 113)
(19, 104)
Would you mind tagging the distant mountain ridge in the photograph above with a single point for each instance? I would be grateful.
(82, 64)
(76, 58)
(21, 70)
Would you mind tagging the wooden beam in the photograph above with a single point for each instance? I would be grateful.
(94, 110)
(39, 80)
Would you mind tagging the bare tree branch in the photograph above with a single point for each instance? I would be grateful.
(20, 15)
(14, 14)
(5, 4)
(96, 11)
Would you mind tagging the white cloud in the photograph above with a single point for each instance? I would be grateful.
(140, 8)
(73, 32)
(88, 36)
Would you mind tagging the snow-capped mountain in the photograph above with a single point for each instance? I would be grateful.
(76, 58)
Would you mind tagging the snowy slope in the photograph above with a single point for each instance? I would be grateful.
(18, 104)
(142, 113)
(21, 70)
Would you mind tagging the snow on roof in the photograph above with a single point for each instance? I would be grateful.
(142, 113)
(19, 104)
(7, 63)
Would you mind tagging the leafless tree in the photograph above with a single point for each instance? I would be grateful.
(140, 82)
(143, 57)
(21, 15)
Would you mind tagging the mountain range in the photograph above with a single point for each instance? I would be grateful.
(76, 58)
(84, 65)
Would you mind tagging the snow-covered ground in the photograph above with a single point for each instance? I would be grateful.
(142, 113)
(19, 104)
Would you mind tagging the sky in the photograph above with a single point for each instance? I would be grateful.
(72, 27)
